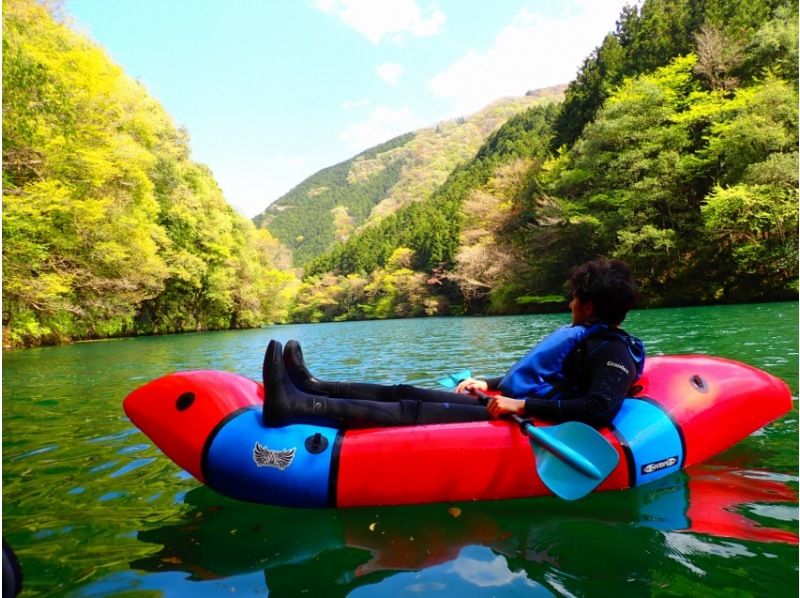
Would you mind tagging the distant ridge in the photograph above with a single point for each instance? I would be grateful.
(333, 203)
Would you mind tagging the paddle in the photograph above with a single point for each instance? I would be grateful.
(452, 380)
(572, 459)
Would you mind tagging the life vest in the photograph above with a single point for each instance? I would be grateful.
(540, 373)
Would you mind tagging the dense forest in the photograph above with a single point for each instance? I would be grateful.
(326, 206)
(675, 148)
(109, 228)
(337, 201)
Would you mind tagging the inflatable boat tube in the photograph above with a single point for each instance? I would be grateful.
(686, 409)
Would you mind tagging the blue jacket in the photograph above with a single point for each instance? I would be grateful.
(540, 373)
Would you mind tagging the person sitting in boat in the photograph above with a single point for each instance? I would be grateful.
(580, 372)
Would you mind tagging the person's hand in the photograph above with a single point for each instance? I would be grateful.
(500, 405)
(471, 385)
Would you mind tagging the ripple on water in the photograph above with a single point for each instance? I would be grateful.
(769, 475)
(49, 532)
(131, 467)
(685, 547)
(34, 452)
(136, 448)
(121, 435)
(108, 496)
(777, 512)
(103, 466)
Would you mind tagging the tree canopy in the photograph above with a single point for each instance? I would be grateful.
(109, 228)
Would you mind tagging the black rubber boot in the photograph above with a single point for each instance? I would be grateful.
(304, 380)
(283, 403)
(298, 372)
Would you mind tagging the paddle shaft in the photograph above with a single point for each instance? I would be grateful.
(555, 446)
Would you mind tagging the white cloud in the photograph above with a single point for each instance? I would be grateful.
(534, 51)
(375, 19)
(353, 104)
(382, 124)
(486, 574)
(390, 72)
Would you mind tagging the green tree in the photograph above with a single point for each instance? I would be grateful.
(650, 36)
(108, 227)
(755, 227)
(80, 242)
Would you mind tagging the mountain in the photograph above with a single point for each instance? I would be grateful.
(339, 200)
(675, 150)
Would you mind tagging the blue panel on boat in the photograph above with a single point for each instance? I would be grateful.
(289, 465)
(652, 438)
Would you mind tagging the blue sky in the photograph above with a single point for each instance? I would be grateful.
(271, 91)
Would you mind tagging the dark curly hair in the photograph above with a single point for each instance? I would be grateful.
(609, 285)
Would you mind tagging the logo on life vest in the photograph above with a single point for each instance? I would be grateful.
(265, 457)
(659, 465)
(619, 366)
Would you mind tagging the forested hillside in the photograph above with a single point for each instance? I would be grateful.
(109, 228)
(675, 149)
(334, 203)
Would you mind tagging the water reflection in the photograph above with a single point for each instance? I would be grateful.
(671, 527)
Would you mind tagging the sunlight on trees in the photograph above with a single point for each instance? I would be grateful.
(108, 227)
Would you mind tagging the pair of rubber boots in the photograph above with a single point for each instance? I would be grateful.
(293, 395)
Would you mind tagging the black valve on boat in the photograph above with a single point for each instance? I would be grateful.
(316, 443)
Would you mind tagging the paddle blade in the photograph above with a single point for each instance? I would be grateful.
(452, 380)
(562, 477)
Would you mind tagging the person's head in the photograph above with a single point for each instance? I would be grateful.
(602, 290)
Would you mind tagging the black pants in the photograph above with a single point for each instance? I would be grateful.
(356, 405)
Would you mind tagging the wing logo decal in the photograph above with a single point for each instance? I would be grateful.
(266, 457)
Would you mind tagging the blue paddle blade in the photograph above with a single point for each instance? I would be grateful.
(566, 474)
(452, 380)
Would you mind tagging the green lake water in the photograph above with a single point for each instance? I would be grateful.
(92, 508)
